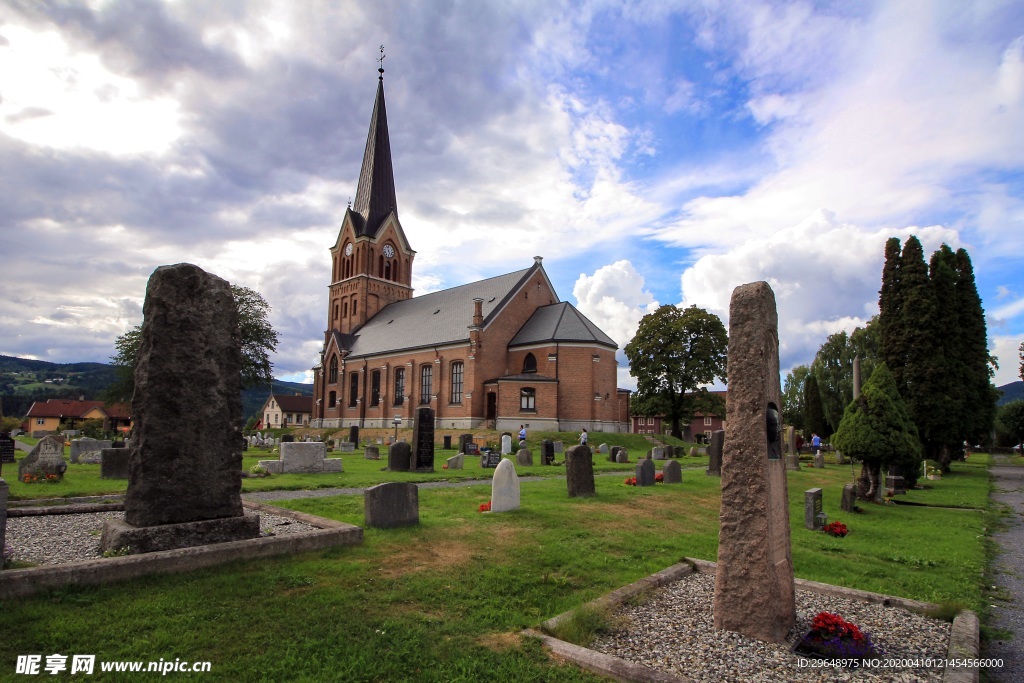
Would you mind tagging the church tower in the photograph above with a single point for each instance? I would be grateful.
(371, 261)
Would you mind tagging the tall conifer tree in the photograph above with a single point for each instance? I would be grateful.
(889, 308)
(979, 396)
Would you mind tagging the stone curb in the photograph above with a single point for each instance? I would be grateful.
(15, 583)
(963, 641)
(72, 509)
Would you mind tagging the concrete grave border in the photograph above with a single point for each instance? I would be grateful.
(963, 640)
(16, 583)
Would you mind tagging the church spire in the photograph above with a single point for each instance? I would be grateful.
(375, 193)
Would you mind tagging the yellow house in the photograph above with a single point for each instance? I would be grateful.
(283, 410)
(57, 414)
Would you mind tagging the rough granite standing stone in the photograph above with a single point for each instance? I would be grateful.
(812, 507)
(754, 593)
(670, 452)
(399, 456)
(645, 473)
(579, 471)
(524, 458)
(505, 487)
(392, 504)
(115, 463)
(715, 453)
(465, 440)
(46, 458)
(673, 472)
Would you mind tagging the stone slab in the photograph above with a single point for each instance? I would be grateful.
(302, 457)
(392, 504)
(118, 534)
(673, 472)
(579, 471)
(645, 473)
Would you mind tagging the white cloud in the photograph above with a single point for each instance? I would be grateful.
(1007, 350)
(614, 299)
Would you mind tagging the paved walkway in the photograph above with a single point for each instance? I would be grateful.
(1008, 613)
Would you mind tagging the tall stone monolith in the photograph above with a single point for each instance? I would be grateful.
(185, 467)
(754, 592)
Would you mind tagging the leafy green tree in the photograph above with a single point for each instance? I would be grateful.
(814, 417)
(1011, 418)
(673, 353)
(876, 428)
(793, 397)
(259, 340)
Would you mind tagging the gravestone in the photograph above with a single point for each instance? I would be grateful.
(603, 448)
(185, 469)
(347, 447)
(670, 451)
(754, 593)
(645, 473)
(622, 456)
(715, 453)
(673, 472)
(559, 447)
(819, 460)
(547, 452)
(579, 471)
(287, 438)
(506, 444)
(504, 487)
(812, 508)
(353, 434)
(790, 440)
(391, 505)
(840, 460)
(464, 441)
(399, 456)
(45, 460)
(490, 459)
(85, 445)
(303, 457)
(658, 453)
(895, 485)
(115, 463)
(849, 499)
(612, 456)
(6, 449)
(423, 440)
(792, 462)
(447, 439)
(693, 451)
(456, 462)
(371, 453)
(524, 458)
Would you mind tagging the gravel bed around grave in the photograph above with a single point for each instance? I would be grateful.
(673, 631)
(59, 539)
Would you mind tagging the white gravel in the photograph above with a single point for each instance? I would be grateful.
(58, 539)
(674, 632)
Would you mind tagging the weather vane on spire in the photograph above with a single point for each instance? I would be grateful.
(381, 61)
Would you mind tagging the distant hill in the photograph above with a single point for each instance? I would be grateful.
(23, 381)
(1013, 391)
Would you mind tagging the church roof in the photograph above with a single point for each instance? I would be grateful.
(560, 322)
(375, 192)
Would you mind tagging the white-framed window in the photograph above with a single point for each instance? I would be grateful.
(707, 421)
(457, 376)
(528, 398)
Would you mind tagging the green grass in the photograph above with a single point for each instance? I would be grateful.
(443, 600)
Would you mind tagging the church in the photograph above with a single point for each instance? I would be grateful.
(493, 354)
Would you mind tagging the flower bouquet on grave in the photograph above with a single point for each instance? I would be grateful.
(630, 481)
(485, 507)
(832, 637)
(659, 477)
(835, 529)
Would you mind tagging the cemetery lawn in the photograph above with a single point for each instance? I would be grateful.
(444, 601)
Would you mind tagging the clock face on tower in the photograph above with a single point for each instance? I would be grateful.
(389, 251)
(348, 249)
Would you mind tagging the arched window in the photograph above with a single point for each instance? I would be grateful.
(380, 267)
(353, 389)
(345, 309)
(387, 270)
(336, 310)
(399, 386)
(426, 380)
(530, 363)
(394, 270)
(355, 305)
(332, 376)
(528, 399)
(375, 388)
(457, 373)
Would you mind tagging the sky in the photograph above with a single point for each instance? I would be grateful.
(653, 152)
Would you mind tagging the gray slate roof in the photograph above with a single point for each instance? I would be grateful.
(560, 322)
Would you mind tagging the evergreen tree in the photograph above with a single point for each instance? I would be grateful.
(889, 312)
(979, 395)
(940, 405)
(814, 416)
(876, 428)
(793, 397)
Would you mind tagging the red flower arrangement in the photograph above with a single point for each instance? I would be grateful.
(832, 636)
(659, 477)
(630, 481)
(485, 507)
(444, 466)
(835, 529)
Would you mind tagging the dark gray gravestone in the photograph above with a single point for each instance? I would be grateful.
(353, 434)
(812, 508)
(371, 453)
(423, 440)
(670, 452)
(673, 472)
(447, 442)
(115, 463)
(392, 504)
(715, 453)
(645, 473)
(622, 456)
(792, 462)
(6, 449)
(849, 500)
(464, 441)
(186, 448)
(612, 456)
(896, 484)
(399, 457)
(547, 452)
(579, 471)
(490, 458)
(524, 458)
(819, 460)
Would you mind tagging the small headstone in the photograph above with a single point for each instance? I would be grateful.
(447, 439)
(6, 449)
(715, 453)
(673, 472)
(792, 462)
(84, 445)
(840, 460)
(603, 448)
(693, 451)
(464, 441)
(505, 487)
(302, 457)
(622, 455)
(670, 451)
(614, 452)
(45, 460)
(391, 505)
(559, 447)
(114, 463)
(524, 458)
(371, 453)
(506, 444)
(658, 453)
(423, 440)
(456, 462)
(645, 473)
(353, 434)
(547, 452)
(399, 456)
(490, 459)
(895, 485)
(819, 460)
(347, 447)
(812, 508)
(579, 471)
(849, 498)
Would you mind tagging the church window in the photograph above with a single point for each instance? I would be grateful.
(399, 386)
(387, 270)
(345, 310)
(530, 363)
(332, 376)
(457, 373)
(332, 399)
(355, 305)
(528, 399)
(353, 389)
(426, 379)
(375, 388)
(380, 267)
(336, 310)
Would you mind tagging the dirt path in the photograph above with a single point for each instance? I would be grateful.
(1008, 613)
